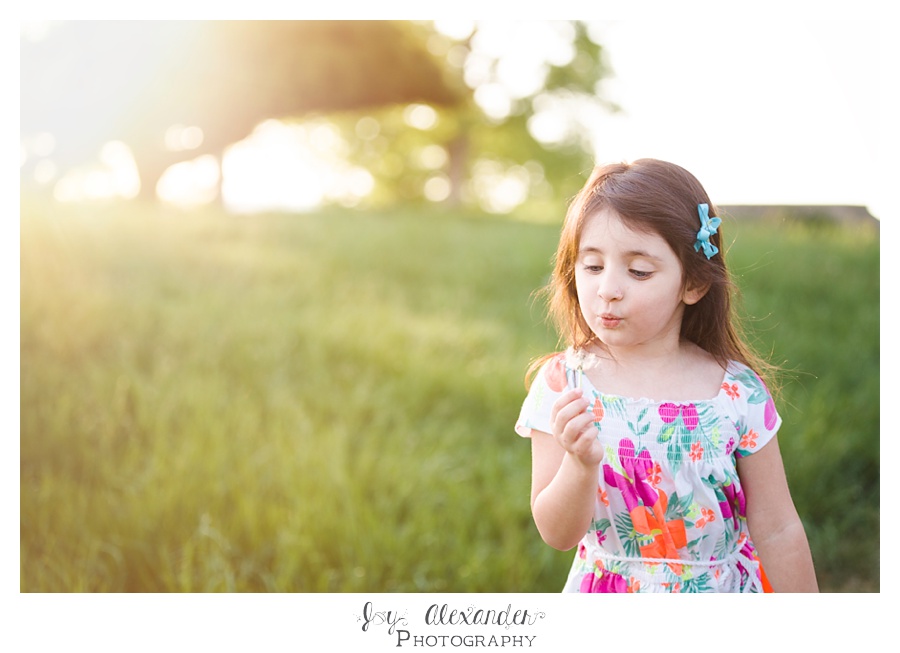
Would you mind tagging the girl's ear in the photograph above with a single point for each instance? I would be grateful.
(693, 294)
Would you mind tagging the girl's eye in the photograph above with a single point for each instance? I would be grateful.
(641, 274)
(593, 268)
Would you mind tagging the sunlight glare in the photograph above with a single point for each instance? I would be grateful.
(368, 128)
(45, 171)
(117, 158)
(432, 157)
(292, 167)
(116, 176)
(274, 169)
(456, 28)
(190, 183)
(494, 100)
(509, 61)
(500, 189)
(437, 188)
(420, 116)
(179, 138)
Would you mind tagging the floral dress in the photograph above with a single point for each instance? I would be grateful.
(670, 514)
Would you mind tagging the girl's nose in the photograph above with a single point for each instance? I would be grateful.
(609, 289)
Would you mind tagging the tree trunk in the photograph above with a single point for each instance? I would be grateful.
(458, 152)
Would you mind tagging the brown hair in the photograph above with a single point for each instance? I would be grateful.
(658, 197)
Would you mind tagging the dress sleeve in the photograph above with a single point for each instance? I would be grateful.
(549, 383)
(758, 420)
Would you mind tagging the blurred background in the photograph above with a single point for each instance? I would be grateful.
(277, 284)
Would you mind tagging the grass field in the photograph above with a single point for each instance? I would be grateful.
(324, 403)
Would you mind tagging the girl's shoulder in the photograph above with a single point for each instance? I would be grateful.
(742, 375)
(746, 392)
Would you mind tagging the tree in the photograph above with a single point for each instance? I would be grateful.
(92, 82)
(483, 144)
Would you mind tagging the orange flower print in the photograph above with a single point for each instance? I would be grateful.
(731, 390)
(654, 475)
(748, 440)
(597, 410)
(604, 499)
(697, 451)
(707, 517)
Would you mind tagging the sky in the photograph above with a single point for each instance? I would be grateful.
(783, 111)
(761, 113)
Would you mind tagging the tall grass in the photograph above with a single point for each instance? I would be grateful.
(324, 403)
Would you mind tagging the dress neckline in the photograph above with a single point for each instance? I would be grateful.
(577, 361)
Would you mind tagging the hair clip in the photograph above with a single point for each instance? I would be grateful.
(708, 227)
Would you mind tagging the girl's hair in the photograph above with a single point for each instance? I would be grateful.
(657, 197)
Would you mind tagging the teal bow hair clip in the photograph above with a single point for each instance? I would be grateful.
(708, 226)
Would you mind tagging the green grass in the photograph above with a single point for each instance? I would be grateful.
(324, 403)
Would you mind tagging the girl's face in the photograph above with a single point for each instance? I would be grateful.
(630, 286)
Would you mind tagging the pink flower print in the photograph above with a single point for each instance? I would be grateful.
(735, 505)
(690, 416)
(626, 450)
(731, 390)
(606, 583)
(582, 551)
(770, 416)
(668, 412)
(729, 447)
(696, 452)
(633, 483)
(748, 440)
(601, 538)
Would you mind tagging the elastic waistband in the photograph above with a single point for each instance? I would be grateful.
(739, 571)
(601, 553)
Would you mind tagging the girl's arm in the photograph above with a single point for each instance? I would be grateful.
(564, 473)
(775, 527)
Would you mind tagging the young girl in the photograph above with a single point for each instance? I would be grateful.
(653, 438)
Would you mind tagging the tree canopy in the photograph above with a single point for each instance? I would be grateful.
(90, 82)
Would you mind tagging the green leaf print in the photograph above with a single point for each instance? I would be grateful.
(709, 424)
(724, 546)
(666, 433)
(679, 507)
(615, 406)
(601, 525)
(679, 449)
(697, 584)
(612, 459)
(627, 535)
(642, 425)
(693, 544)
(758, 393)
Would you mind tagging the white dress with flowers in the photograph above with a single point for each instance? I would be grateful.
(670, 514)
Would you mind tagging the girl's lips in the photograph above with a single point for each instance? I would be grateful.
(609, 321)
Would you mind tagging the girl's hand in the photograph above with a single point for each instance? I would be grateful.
(574, 429)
